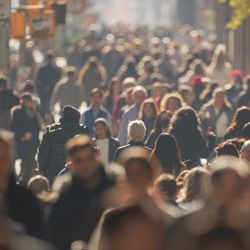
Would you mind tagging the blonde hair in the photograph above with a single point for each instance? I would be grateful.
(136, 130)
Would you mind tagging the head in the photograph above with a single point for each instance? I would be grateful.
(27, 101)
(139, 95)
(227, 148)
(136, 131)
(38, 184)
(50, 57)
(92, 63)
(227, 176)
(148, 110)
(219, 97)
(128, 82)
(167, 151)
(162, 122)
(96, 98)
(184, 121)
(139, 173)
(196, 184)
(114, 87)
(187, 94)
(101, 129)
(81, 152)
(246, 131)
(166, 186)
(71, 72)
(241, 117)
(70, 114)
(7, 157)
(172, 102)
(3, 82)
(245, 151)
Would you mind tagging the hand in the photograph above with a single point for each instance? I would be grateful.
(27, 136)
(210, 133)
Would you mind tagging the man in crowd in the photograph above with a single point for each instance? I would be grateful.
(26, 123)
(50, 156)
(67, 91)
(139, 94)
(80, 205)
(47, 77)
(95, 111)
(19, 203)
(7, 101)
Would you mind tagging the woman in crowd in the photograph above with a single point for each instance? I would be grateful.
(241, 117)
(185, 127)
(92, 75)
(217, 114)
(148, 114)
(168, 154)
(220, 68)
(161, 125)
(172, 102)
(106, 144)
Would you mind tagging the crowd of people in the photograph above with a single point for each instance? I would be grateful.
(141, 142)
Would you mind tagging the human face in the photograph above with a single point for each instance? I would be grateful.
(148, 110)
(172, 105)
(29, 104)
(5, 161)
(139, 98)
(85, 163)
(116, 88)
(96, 100)
(219, 98)
(101, 131)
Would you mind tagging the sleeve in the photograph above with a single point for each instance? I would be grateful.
(123, 130)
(43, 152)
(15, 125)
(83, 119)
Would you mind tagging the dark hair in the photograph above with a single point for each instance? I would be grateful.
(161, 123)
(168, 153)
(3, 80)
(166, 183)
(241, 117)
(184, 123)
(246, 131)
(104, 123)
(153, 107)
(227, 148)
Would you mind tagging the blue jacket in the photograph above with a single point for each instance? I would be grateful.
(88, 118)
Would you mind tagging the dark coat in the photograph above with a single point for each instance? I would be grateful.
(193, 147)
(21, 123)
(130, 144)
(244, 99)
(51, 153)
(23, 207)
(77, 211)
(113, 146)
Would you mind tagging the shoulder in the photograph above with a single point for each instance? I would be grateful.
(54, 128)
(62, 184)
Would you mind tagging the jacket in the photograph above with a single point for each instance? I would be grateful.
(51, 153)
(88, 118)
(76, 213)
(130, 144)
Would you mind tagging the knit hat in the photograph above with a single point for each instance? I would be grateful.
(70, 113)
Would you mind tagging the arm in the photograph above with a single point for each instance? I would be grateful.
(206, 149)
(123, 130)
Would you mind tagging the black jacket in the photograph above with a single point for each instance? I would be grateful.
(130, 144)
(76, 213)
(22, 123)
(23, 207)
(51, 153)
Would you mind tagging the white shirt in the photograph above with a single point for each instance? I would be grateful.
(103, 145)
(222, 124)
